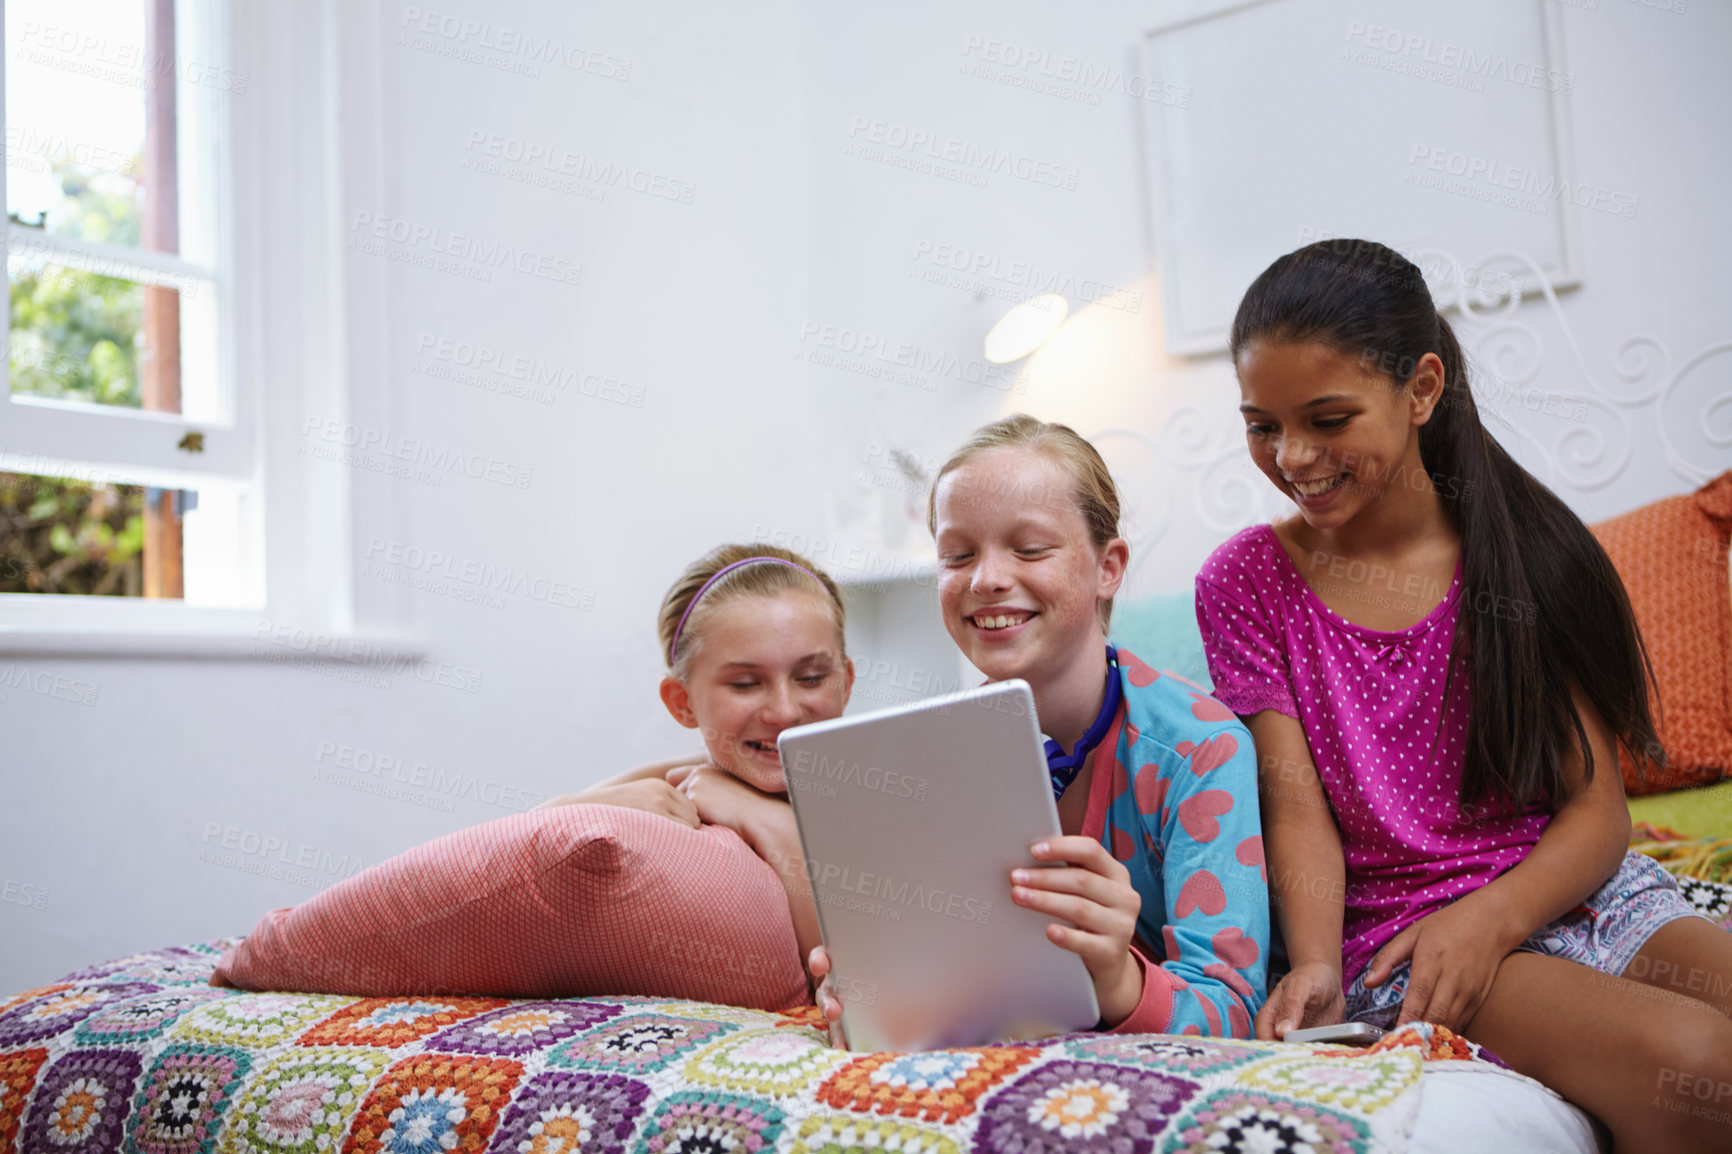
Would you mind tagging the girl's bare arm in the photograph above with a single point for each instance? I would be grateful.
(1457, 950)
(657, 770)
(1582, 847)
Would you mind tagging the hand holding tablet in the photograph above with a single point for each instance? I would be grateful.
(1090, 896)
(911, 822)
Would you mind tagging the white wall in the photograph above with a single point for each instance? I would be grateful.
(1651, 110)
(714, 310)
(108, 808)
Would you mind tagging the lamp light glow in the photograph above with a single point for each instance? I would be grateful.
(1025, 328)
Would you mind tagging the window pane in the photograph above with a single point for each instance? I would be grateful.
(76, 335)
(95, 534)
(78, 75)
(63, 535)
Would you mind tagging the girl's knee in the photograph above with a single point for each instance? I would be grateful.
(1692, 1078)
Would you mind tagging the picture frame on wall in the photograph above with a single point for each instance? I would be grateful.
(1456, 117)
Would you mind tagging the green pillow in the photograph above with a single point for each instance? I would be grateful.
(1705, 811)
(1162, 630)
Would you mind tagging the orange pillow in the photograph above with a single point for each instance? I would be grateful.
(1672, 557)
(573, 900)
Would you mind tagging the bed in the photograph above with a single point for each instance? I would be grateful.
(143, 1054)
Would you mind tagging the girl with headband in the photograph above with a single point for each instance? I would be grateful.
(1158, 882)
(753, 639)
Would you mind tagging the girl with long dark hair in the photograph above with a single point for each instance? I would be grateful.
(1439, 664)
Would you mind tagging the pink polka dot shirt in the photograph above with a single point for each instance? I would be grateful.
(1371, 703)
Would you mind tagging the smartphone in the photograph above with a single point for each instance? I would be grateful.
(1352, 1033)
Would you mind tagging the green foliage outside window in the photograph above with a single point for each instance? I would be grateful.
(75, 334)
(75, 337)
(65, 536)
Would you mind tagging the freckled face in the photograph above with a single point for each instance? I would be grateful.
(765, 664)
(1019, 580)
(1331, 434)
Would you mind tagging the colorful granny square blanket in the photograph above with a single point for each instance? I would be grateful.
(143, 1055)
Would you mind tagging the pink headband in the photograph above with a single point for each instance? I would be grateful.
(674, 645)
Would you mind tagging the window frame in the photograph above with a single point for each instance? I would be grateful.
(296, 312)
(140, 443)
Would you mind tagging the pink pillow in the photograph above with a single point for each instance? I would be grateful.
(573, 900)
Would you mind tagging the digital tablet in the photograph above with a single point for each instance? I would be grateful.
(911, 820)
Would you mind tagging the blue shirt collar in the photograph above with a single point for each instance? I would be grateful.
(1064, 766)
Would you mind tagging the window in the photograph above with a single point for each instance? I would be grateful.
(239, 281)
(126, 447)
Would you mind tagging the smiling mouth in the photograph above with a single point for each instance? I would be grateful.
(996, 621)
(767, 748)
(1318, 487)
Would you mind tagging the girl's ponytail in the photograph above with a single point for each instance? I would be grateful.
(1543, 613)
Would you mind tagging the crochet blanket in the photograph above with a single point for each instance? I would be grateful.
(143, 1055)
(1703, 866)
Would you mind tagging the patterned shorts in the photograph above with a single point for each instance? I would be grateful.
(1604, 933)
